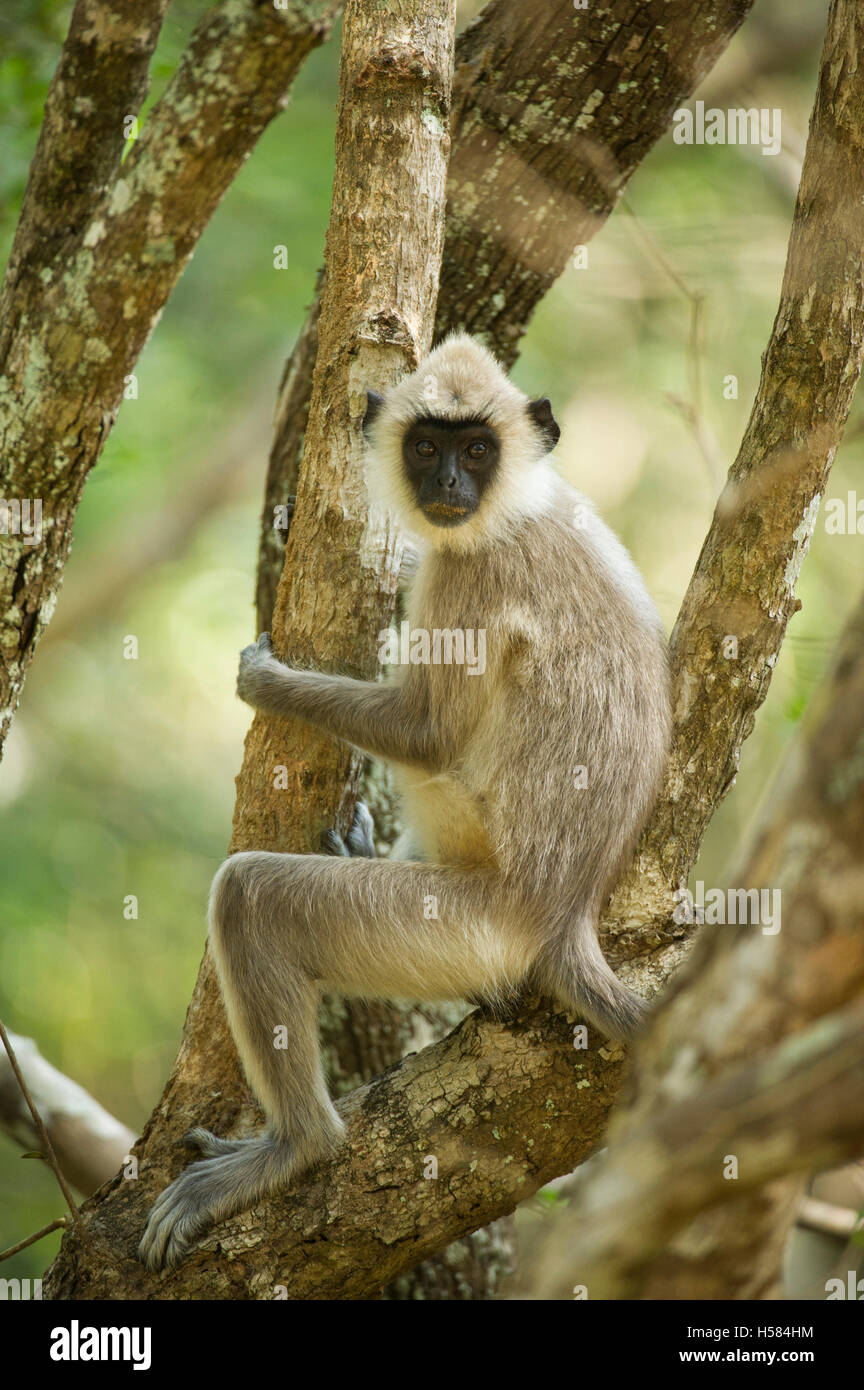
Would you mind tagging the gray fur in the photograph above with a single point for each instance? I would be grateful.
(516, 858)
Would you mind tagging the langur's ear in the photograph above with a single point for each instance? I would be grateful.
(540, 413)
(374, 403)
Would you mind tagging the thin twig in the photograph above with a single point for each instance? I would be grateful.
(31, 1240)
(692, 410)
(50, 1155)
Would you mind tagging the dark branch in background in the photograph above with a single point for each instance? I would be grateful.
(549, 122)
(554, 109)
(74, 334)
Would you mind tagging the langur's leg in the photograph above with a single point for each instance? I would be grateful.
(282, 926)
(501, 1009)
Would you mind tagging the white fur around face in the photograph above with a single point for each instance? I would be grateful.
(460, 379)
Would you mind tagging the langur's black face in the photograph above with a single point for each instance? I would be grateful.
(449, 464)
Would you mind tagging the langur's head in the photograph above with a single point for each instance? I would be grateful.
(456, 450)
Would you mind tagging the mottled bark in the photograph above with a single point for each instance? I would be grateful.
(292, 414)
(76, 314)
(499, 1108)
(361, 1040)
(505, 1108)
(102, 78)
(553, 110)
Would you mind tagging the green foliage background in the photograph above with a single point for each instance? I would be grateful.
(119, 774)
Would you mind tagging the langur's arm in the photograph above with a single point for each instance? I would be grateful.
(369, 714)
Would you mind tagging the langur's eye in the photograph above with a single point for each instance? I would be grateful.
(425, 448)
(477, 450)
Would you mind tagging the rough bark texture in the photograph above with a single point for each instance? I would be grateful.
(553, 110)
(292, 415)
(742, 994)
(504, 1108)
(77, 310)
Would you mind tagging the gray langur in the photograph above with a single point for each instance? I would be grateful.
(524, 784)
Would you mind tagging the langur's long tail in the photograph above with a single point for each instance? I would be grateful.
(575, 971)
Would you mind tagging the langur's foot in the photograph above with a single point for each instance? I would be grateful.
(210, 1145)
(359, 843)
(231, 1181)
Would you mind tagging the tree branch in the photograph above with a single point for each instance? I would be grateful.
(742, 593)
(103, 76)
(798, 1106)
(39, 1125)
(78, 330)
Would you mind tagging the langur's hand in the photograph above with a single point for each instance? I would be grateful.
(256, 662)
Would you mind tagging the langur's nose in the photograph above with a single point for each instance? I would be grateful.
(447, 477)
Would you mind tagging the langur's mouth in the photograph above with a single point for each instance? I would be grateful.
(445, 513)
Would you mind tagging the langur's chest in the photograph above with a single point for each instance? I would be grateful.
(448, 635)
